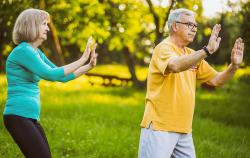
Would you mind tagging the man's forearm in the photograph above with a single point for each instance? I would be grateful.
(224, 76)
(185, 62)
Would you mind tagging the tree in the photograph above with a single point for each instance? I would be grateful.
(126, 30)
(160, 19)
(7, 20)
(53, 37)
(245, 15)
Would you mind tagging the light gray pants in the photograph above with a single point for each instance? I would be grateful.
(161, 144)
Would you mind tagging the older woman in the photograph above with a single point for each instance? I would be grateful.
(25, 66)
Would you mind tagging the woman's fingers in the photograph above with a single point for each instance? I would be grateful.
(94, 60)
(88, 47)
(93, 50)
(89, 40)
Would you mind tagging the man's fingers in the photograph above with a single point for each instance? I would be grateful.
(241, 49)
(242, 44)
(238, 47)
(216, 30)
(236, 43)
(218, 40)
(234, 50)
(239, 44)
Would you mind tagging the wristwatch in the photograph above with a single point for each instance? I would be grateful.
(206, 50)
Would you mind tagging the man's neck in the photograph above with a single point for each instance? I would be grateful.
(178, 41)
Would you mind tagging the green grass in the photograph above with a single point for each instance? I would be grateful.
(95, 122)
(120, 71)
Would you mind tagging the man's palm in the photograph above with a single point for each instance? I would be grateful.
(237, 52)
(214, 40)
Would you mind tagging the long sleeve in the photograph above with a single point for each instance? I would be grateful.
(29, 59)
(52, 65)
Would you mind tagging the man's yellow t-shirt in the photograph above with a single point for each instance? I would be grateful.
(170, 98)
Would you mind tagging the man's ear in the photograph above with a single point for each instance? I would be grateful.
(174, 27)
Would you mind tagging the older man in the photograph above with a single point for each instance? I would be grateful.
(170, 100)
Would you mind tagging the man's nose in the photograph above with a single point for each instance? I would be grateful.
(47, 28)
(194, 29)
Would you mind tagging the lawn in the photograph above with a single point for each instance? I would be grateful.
(84, 121)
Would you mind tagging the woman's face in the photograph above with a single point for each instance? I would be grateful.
(43, 30)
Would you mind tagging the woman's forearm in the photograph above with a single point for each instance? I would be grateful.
(77, 73)
(70, 68)
(82, 70)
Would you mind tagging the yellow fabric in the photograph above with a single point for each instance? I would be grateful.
(170, 99)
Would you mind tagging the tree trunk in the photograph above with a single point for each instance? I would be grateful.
(1, 60)
(56, 46)
(131, 66)
(158, 28)
(1, 53)
(53, 39)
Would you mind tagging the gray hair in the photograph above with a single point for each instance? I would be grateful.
(175, 15)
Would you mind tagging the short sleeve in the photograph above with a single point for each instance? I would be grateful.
(205, 72)
(163, 54)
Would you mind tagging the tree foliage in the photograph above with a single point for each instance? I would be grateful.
(126, 30)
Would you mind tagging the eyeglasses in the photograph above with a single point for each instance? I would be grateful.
(189, 24)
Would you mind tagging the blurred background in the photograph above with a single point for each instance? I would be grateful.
(98, 114)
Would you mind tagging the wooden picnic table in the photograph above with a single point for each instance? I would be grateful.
(108, 80)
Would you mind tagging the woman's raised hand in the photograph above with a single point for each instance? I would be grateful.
(93, 59)
(86, 54)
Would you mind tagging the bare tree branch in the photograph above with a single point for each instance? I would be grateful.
(56, 46)
(168, 12)
(156, 18)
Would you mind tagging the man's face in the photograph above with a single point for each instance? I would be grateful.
(186, 28)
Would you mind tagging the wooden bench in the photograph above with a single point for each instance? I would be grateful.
(108, 80)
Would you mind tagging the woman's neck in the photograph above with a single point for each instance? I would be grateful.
(35, 44)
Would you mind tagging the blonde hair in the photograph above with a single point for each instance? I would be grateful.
(27, 25)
